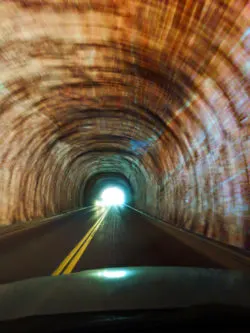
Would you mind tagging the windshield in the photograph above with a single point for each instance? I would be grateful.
(124, 136)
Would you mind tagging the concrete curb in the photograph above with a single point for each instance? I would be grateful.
(22, 226)
(225, 255)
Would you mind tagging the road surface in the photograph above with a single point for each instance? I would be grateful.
(93, 238)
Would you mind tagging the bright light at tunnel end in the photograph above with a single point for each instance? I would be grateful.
(111, 196)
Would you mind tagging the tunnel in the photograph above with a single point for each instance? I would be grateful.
(95, 186)
(150, 95)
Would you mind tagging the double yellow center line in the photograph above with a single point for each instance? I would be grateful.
(69, 263)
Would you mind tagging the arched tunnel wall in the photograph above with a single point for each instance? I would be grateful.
(155, 90)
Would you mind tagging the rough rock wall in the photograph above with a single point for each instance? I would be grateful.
(155, 90)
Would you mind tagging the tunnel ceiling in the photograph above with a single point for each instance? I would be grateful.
(155, 90)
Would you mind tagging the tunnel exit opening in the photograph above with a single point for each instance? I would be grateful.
(112, 197)
(108, 189)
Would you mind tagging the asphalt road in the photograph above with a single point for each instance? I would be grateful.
(94, 238)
